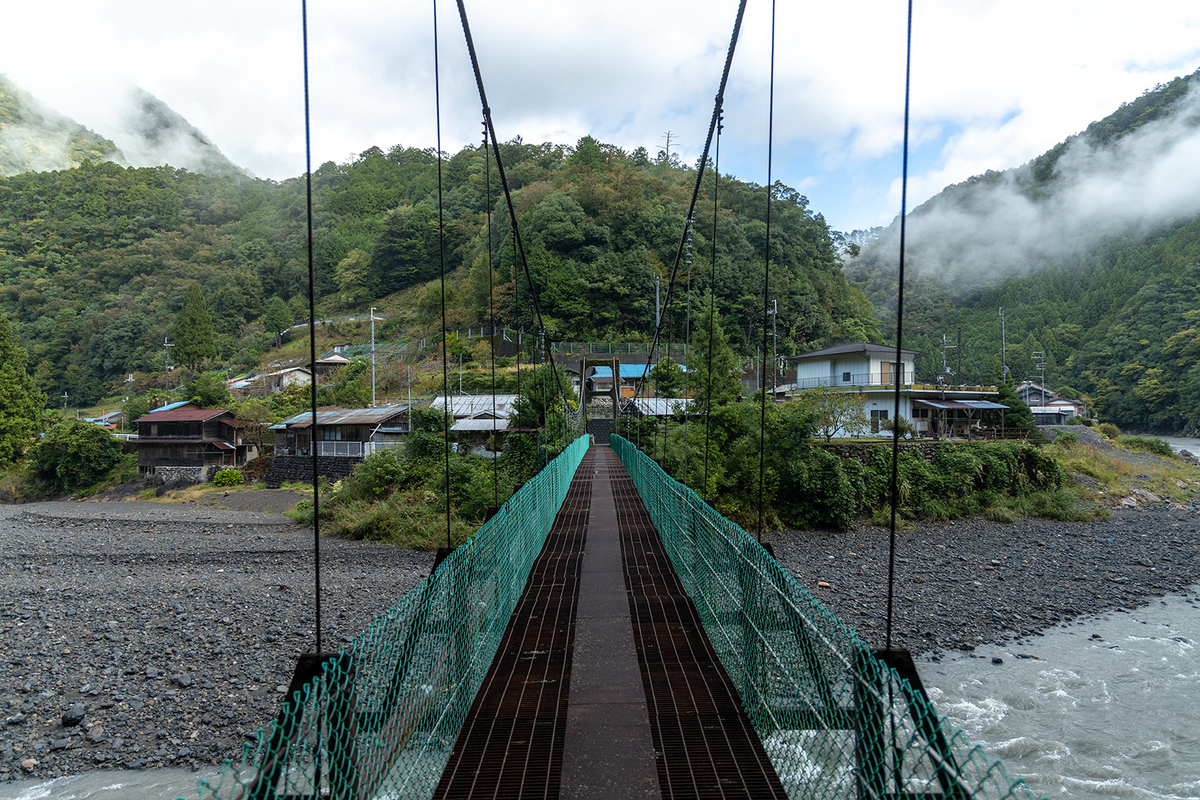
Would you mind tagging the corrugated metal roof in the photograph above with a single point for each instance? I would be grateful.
(985, 404)
(170, 406)
(660, 406)
(628, 371)
(485, 425)
(476, 405)
(344, 416)
(189, 414)
(945, 404)
(861, 348)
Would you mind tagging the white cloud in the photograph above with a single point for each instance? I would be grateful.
(1009, 79)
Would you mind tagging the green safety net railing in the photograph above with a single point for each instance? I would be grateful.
(838, 719)
(379, 718)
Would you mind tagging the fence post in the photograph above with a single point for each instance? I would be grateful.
(869, 749)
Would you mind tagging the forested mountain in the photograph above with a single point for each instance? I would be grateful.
(148, 133)
(34, 137)
(1093, 251)
(95, 261)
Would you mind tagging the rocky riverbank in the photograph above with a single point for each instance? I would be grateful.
(962, 584)
(141, 635)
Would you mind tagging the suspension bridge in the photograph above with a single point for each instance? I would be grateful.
(607, 634)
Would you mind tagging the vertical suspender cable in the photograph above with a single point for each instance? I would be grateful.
(899, 335)
(487, 171)
(312, 335)
(762, 419)
(712, 300)
(437, 101)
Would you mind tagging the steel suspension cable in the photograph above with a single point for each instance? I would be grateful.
(712, 306)
(762, 418)
(487, 170)
(512, 214)
(312, 335)
(437, 96)
(718, 105)
(899, 335)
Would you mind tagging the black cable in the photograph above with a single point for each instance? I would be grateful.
(312, 333)
(437, 97)
(712, 305)
(487, 166)
(899, 337)
(512, 214)
(762, 418)
(712, 130)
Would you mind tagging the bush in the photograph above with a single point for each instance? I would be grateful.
(228, 477)
(1148, 444)
(1109, 431)
(75, 454)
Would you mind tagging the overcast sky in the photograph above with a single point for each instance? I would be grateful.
(993, 85)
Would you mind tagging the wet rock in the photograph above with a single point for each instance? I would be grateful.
(29, 765)
(74, 715)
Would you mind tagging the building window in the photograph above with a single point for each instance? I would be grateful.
(332, 434)
(845, 377)
(877, 417)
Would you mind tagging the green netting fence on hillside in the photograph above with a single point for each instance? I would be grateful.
(379, 718)
(836, 717)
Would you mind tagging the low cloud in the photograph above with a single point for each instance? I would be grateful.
(999, 225)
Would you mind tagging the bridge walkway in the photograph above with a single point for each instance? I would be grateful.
(605, 684)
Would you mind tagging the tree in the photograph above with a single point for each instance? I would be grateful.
(719, 362)
(277, 318)
(1018, 414)
(207, 390)
(836, 412)
(21, 402)
(75, 454)
(668, 378)
(351, 276)
(193, 331)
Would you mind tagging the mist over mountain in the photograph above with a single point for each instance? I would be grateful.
(36, 138)
(151, 134)
(1127, 175)
(1092, 251)
(142, 131)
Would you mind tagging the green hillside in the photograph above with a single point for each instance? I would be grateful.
(95, 261)
(1110, 298)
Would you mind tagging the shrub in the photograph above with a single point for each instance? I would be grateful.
(75, 454)
(1067, 438)
(1109, 431)
(228, 477)
(1148, 444)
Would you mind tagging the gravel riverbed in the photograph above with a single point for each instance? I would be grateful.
(962, 584)
(172, 629)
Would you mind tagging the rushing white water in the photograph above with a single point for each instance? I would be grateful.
(154, 784)
(1107, 706)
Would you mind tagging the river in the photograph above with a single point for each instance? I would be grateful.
(1107, 707)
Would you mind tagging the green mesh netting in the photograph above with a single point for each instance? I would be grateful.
(379, 718)
(836, 719)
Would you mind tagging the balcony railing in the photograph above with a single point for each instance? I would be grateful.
(856, 379)
(352, 449)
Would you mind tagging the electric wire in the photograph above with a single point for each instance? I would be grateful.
(762, 419)
(899, 337)
(312, 335)
(437, 97)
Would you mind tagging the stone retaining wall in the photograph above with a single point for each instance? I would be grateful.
(298, 469)
(171, 474)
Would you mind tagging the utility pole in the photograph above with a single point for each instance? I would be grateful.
(1039, 361)
(657, 309)
(372, 356)
(1003, 350)
(64, 397)
(960, 383)
(774, 348)
(167, 364)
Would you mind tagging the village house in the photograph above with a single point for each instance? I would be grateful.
(182, 440)
(343, 432)
(872, 372)
(478, 421)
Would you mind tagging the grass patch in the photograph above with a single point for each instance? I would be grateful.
(1076, 457)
